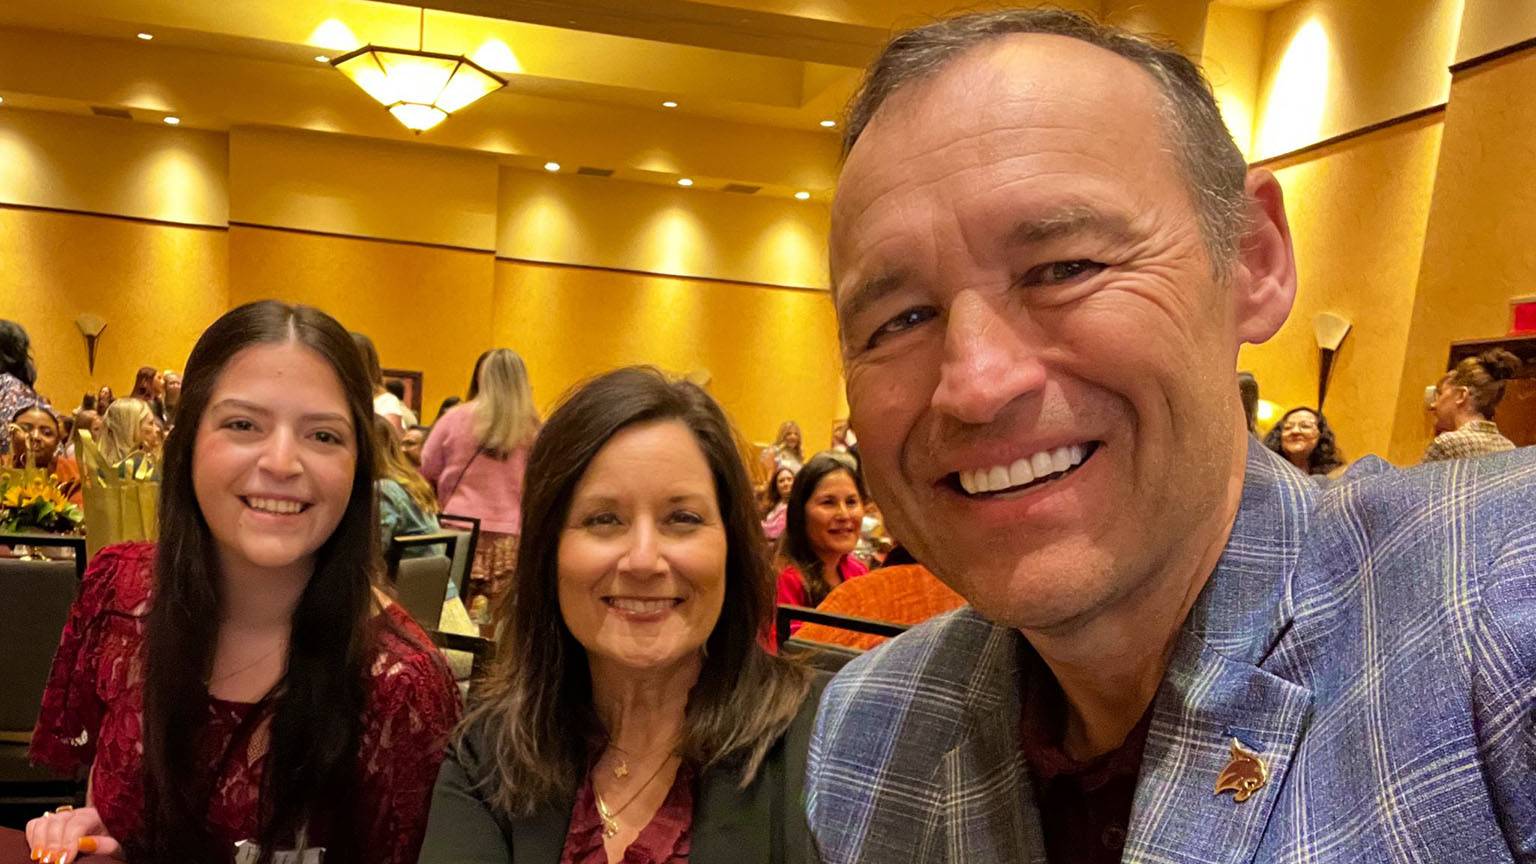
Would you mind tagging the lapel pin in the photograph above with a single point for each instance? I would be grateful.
(1244, 775)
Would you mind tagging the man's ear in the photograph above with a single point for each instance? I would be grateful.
(1265, 277)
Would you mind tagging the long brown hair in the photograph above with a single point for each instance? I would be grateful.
(390, 462)
(795, 546)
(310, 777)
(534, 712)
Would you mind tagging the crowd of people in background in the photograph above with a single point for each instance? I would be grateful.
(818, 522)
(250, 679)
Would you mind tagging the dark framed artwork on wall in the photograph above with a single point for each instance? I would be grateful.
(411, 381)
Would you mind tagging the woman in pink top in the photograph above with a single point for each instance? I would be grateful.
(474, 459)
(826, 506)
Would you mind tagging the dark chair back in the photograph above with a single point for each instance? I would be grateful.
(821, 655)
(464, 553)
(35, 597)
(482, 649)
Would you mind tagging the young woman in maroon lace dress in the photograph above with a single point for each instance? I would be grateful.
(242, 681)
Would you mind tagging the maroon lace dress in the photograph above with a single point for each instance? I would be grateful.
(93, 703)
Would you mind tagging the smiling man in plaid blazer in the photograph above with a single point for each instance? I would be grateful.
(1046, 252)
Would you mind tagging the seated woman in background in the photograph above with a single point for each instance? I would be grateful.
(822, 528)
(129, 428)
(17, 375)
(406, 503)
(242, 680)
(779, 486)
(632, 714)
(1463, 407)
(1306, 441)
(35, 436)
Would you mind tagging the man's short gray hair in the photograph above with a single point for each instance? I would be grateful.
(1213, 165)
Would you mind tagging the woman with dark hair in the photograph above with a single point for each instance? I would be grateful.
(17, 375)
(1305, 439)
(242, 682)
(144, 384)
(821, 530)
(632, 714)
(779, 486)
(1463, 406)
(38, 434)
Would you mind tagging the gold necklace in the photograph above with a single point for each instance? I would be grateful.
(621, 770)
(609, 815)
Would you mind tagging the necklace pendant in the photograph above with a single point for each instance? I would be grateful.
(621, 770)
(610, 828)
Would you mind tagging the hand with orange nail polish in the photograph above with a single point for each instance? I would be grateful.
(62, 836)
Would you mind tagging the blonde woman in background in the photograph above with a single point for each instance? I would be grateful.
(475, 458)
(130, 428)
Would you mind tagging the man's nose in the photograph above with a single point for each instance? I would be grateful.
(991, 358)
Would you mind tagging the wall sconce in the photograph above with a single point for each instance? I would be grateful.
(90, 327)
(1330, 330)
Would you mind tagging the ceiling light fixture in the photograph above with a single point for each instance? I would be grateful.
(828, 124)
(173, 120)
(685, 181)
(146, 36)
(321, 58)
(551, 166)
(803, 196)
(669, 104)
(420, 88)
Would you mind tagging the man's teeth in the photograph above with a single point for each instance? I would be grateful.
(274, 505)
(1023, 471)
(642, 607)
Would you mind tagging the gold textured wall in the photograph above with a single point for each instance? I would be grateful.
(1358, 212)
(425, 308)
(156, 285)
(770, 353)
(1478, 250)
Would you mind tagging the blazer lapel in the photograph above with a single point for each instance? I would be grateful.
(988, 810)
(1205, 704)
(1215, 692)
(732, 825)
(540, 838)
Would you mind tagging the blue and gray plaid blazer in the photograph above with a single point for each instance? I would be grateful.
(1375, 642)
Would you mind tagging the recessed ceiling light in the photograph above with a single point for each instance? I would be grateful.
(803, 196)
(172, 120)
(669, 104)
(321, 58)
(828, 124)
(551, 166)
(2, 100)
(685, 181)
(146, 36)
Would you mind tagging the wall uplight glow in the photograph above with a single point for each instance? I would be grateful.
(497, 56)
(335, 36)
(1297, 93)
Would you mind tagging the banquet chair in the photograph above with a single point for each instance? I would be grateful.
(35, 599)
(421, 583)
(822, 655)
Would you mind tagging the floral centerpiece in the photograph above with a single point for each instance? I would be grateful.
(30, 500)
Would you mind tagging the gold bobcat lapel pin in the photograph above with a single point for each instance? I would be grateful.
(1244, 775)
